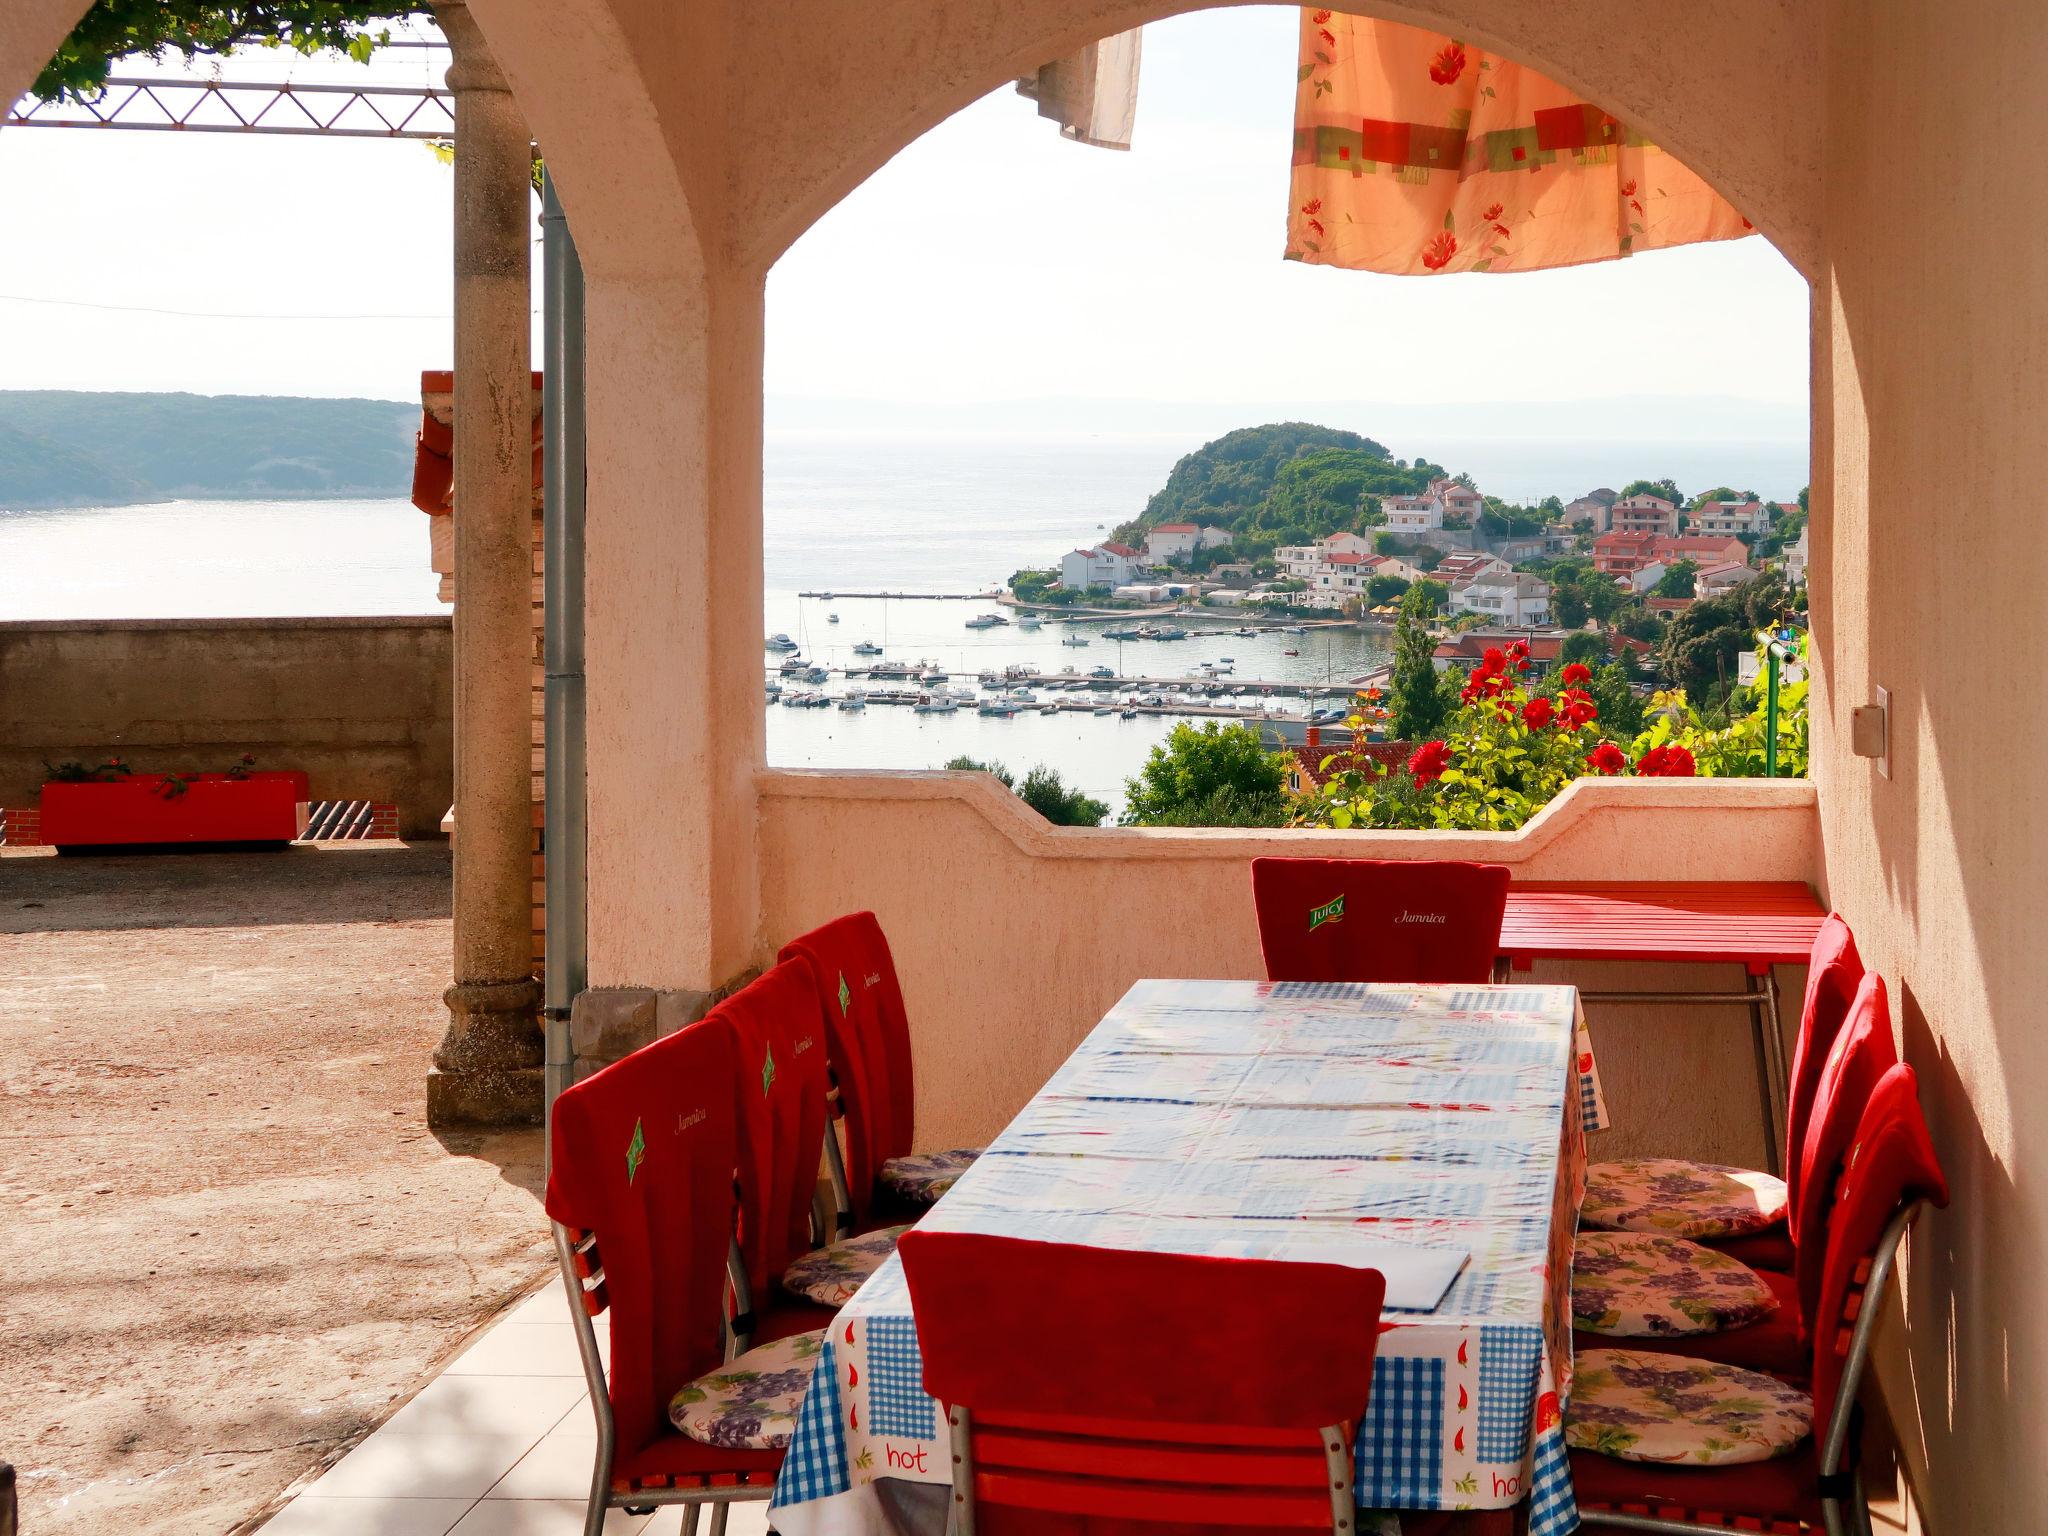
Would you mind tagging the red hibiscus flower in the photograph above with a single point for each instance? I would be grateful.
(1536, 713)
(1437, 254)
(1494, 660)
(1429, 762)
(1578, 709)
(1665, 763)
(1448, 64)
(1607, 758)
(1492, 213)
(1578, 672)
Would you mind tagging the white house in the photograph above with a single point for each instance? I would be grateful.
(1644, 577)
(1713, 580)
(1514, 598)
(1345, 544)
(1171, 543)
(1412, 514)
(1453, 569)
(1104, 565)
(1212, 538)
(1730, 519)
(1795, 560)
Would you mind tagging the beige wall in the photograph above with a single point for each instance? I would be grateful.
(362, 705)
(1013, 936)
(1930, 345)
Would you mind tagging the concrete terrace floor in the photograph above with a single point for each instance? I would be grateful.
(231, 1245)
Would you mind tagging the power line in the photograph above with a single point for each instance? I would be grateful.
(204, 314)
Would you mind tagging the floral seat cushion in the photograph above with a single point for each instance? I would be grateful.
(831, 1274)
(1678, 1198)
(1641, 1285)
(1680, 1411)
(750, 1403)
(924, 1176)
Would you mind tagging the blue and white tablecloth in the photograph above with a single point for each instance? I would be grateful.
(1287, 1120)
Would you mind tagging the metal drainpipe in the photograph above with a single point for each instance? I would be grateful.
(562, 488)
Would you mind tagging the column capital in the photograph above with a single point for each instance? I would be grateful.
(472, 68)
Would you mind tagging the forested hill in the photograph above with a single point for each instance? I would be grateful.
(80, 448)
(1284, 483)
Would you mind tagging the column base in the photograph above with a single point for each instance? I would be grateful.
(487, 1069)
(500, 1097)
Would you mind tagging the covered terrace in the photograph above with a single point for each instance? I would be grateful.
(1883, 147)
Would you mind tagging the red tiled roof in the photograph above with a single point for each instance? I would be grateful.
(1472, 645)
(1175, 528)
(1120, 549)
(1389, 754)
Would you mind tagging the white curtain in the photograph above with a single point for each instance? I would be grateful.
(1093, 94)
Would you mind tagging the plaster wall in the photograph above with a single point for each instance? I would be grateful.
(1930, 342)
(363, 705)
(1013, 937)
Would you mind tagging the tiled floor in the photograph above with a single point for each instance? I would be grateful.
(500, 1444)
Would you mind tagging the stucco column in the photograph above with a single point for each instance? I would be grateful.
(487, 1069)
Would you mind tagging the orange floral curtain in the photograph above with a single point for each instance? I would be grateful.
(1415, 152)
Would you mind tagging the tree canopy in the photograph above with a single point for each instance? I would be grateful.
(1667, 488)
(1044, 791)
(1209, 775)
(120, 29)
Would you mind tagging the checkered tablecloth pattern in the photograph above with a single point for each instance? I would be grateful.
(1295, 1120)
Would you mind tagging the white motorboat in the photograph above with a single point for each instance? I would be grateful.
(999, 708)
(793, 666)
(935, 704)
(831, 618)
(780, 642)
(986, 621)
(867, 648)
(1029, 621)
(1075, 639)
(854, 701)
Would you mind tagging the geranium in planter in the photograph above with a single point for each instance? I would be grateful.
(110, 805)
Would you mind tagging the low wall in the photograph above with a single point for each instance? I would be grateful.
(1013, 936)
(364, 705)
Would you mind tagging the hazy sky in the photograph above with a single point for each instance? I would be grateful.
(990, 261)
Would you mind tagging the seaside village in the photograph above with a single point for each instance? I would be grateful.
(1653, 549)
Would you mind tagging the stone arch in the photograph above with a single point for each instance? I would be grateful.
(849, 102)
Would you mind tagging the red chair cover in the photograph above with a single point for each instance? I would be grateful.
(1862, 1051)
(780, 1099)
(1378, 919)
(868, 1034)
(1833, 970)
(996, 1316)
(643, 1159)
(1890, 1162)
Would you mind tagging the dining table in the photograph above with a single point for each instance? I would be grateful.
(1435, 1133)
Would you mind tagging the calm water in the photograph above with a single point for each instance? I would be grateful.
(845, 513)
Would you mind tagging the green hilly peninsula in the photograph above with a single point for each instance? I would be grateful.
(1285, 483)
(80, 448)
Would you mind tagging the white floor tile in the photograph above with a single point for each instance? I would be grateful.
(748, 1519)
(421, 1467)
(508, 1407)
(558, 1468)
(310, 1516)
(540, 1517)
(546, 1305)
(522, 1349)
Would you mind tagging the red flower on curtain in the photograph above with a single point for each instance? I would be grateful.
(1438, 252)
(1607, 758)
(1309, 210)
(1448, 64)
(1492, 214)
(1429, 762)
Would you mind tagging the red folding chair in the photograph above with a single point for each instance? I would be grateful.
(1379, 919)
(1196, 1391)
(1666, 1443)
(876, 1092)
(780, 1085)
(1696, 1201)
(1781, 1342)
(640, 1193)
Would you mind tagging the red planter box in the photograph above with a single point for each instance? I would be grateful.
(262, 808)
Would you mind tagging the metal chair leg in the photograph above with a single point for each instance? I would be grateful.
(690, 1514)
(1763, 1024)
(718, 1514)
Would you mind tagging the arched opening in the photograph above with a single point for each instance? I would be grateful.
(996, 348)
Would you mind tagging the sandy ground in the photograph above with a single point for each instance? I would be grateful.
(228, 1243)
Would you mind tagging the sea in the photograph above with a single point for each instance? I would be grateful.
(844, 513)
